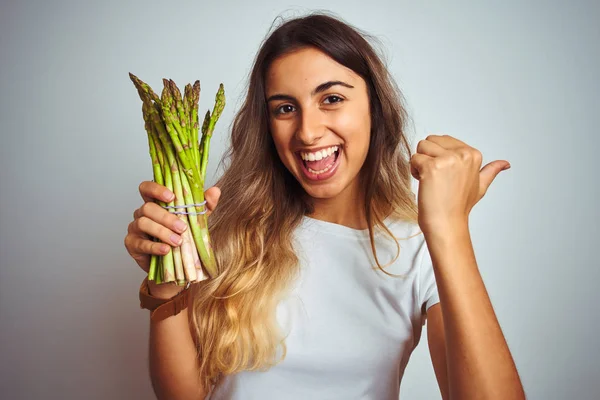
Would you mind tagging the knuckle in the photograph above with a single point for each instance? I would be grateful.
(454, 159)
(145, 208)
(167, 218)
(147, 247)
(465, 154)
(143, 223)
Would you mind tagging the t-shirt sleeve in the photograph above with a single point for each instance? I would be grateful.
(428, 292)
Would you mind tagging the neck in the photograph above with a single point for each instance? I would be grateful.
(347, 208)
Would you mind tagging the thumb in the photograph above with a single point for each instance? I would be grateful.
(489, 173)
(212, 196)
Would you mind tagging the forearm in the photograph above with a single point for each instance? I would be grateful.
(479, 362)
(173, 364)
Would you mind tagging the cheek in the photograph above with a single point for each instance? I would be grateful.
(282, 142)
(354, 127)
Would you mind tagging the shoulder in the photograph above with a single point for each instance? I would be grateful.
(409, 237)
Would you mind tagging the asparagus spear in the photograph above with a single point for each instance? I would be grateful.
(203, 139)
(170, 274)
(187, 99)
(194, 101)
(158, 178)
(214, 117)
(178, 106)
(157, 156)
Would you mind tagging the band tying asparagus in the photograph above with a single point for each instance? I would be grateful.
(179, 162)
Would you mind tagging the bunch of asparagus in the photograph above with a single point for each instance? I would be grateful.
(179, 162)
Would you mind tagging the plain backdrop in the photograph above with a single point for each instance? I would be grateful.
(516, 79)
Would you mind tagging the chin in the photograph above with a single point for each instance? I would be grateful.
(323, 190)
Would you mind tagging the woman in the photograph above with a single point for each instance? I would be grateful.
(325, 279)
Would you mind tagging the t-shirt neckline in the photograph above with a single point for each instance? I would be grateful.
(321, 226)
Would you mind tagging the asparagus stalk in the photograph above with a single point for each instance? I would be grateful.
(194, 101)
(157, 155)
(170, 274)
(214, 117)
(158, 178)
(180, 113)
(187, 93)
(160, 270)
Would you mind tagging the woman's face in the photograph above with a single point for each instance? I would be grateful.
(320, 121)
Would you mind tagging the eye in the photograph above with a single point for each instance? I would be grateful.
(333, 99)
(284, 109)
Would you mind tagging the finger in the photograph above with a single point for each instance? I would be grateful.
(446, 141)
(212, 196)
(151, 191)
(150, 247)
(161, 216)
(430, 148)
(489, 173)
(136, 246)
(156, 230)
(141, 251)
(418, 164)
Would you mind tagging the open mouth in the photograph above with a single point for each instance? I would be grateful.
(320, 165)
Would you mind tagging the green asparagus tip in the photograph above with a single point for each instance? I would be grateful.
(143, 87)
(206, 122)
(164, 96)
(187, 91)
(175, 90)
(196, 92)
(219, 102)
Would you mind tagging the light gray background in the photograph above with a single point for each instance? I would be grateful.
(518, 80)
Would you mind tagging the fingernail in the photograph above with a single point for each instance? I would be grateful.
(506, 167)
(168, 195)
(176, 239)
(180, 226)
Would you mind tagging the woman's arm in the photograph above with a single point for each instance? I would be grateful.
(451, 181)
(467, 334)
(173, 364)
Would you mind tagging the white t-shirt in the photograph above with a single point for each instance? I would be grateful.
(350, 328)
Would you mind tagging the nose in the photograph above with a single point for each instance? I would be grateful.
(311, 128)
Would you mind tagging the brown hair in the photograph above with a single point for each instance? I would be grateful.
(233, 315)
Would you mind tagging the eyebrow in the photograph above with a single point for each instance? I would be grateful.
(319, 89)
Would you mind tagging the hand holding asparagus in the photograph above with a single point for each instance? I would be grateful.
(179, 163)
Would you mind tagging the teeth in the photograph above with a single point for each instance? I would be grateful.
(318, 155)
(319, 172)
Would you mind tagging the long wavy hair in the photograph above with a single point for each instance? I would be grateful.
(233, 315)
